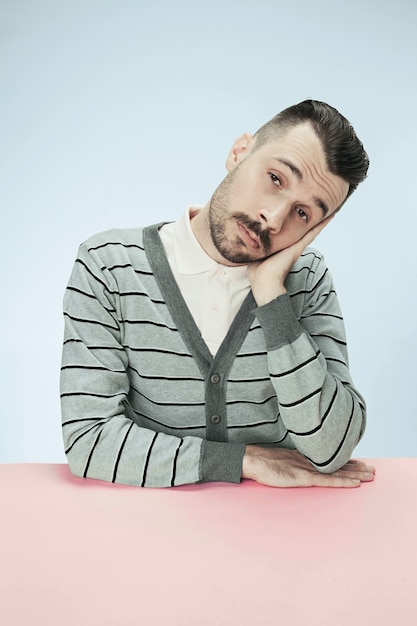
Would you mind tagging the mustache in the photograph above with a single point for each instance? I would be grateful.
(256, 228)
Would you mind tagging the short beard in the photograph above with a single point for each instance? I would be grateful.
(219, 216)
(232, 250)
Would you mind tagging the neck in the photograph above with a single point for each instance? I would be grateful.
(200, 226)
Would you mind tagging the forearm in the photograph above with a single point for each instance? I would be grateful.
(318, 404)
(110, 446)
(116, 449)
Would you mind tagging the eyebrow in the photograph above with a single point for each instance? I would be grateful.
(297, 173)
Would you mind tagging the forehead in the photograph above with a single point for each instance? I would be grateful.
(299, 150)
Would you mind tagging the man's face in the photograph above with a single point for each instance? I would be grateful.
(272, 195)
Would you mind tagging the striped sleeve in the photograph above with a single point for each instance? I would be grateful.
(321, 409)
(101, 440)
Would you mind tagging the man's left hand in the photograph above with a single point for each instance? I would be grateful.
(267, 277)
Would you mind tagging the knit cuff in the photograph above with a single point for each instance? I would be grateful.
(279, 324)
(221, 461)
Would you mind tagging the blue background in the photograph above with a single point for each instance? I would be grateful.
(121, 112)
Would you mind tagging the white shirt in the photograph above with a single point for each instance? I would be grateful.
(213, 292)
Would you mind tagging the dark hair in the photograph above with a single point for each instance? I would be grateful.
(344, 152)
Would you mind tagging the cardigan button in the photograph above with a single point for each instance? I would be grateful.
(214, 378)
(215, 419)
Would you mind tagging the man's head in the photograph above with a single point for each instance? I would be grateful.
(344, 152)
(296, 170)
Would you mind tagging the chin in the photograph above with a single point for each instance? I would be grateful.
(240, 257)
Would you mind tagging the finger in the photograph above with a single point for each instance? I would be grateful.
(331, 480)
(363, 476)
(358, 466)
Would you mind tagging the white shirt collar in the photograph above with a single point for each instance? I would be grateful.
(190, 256)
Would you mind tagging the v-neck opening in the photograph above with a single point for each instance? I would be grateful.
(182, 316)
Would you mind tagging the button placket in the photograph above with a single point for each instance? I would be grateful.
(216, 407)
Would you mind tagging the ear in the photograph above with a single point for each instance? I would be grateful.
(240, 150)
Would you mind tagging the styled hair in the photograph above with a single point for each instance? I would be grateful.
(344, 152)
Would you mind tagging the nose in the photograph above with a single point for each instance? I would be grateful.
(273, 217)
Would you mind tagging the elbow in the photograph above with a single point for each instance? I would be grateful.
(76, 462)
(75, 467)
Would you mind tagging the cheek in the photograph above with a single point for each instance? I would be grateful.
(247, 193)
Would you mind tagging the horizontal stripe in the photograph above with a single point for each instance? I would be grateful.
(308, 291)
(245, 401)
(251, 354)
(254, 424)
(301, 269)
(167, 378)
(158, 350)
(112, 348)
(96, 278)
(170, 403)
(83, 293)
(268, 443)
(307, 433)
(95, 419)
(340, 341)
(115, 243)
(86, 321)
(310, 253)
(168, 426)
(126, 265)
(92, 367)
(319, 314)
(81, 435)
(71, 394)
(330, 358)
(149, 323)
(139, 294)
(297, 402)
(249, 381)
(320, 280)
(297, 367)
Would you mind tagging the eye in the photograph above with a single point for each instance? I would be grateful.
(302, 213)
(275, 179)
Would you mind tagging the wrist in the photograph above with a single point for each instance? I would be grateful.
(268, 293)
(288, 329)
(247, 462)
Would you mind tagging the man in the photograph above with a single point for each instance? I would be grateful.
(213, 348)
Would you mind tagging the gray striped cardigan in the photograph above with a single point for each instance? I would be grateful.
(145, 403)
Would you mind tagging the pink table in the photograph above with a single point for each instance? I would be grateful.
(83, 553)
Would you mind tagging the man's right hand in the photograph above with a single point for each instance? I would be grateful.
(280, 467)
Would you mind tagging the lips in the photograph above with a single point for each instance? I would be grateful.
(248, 237)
